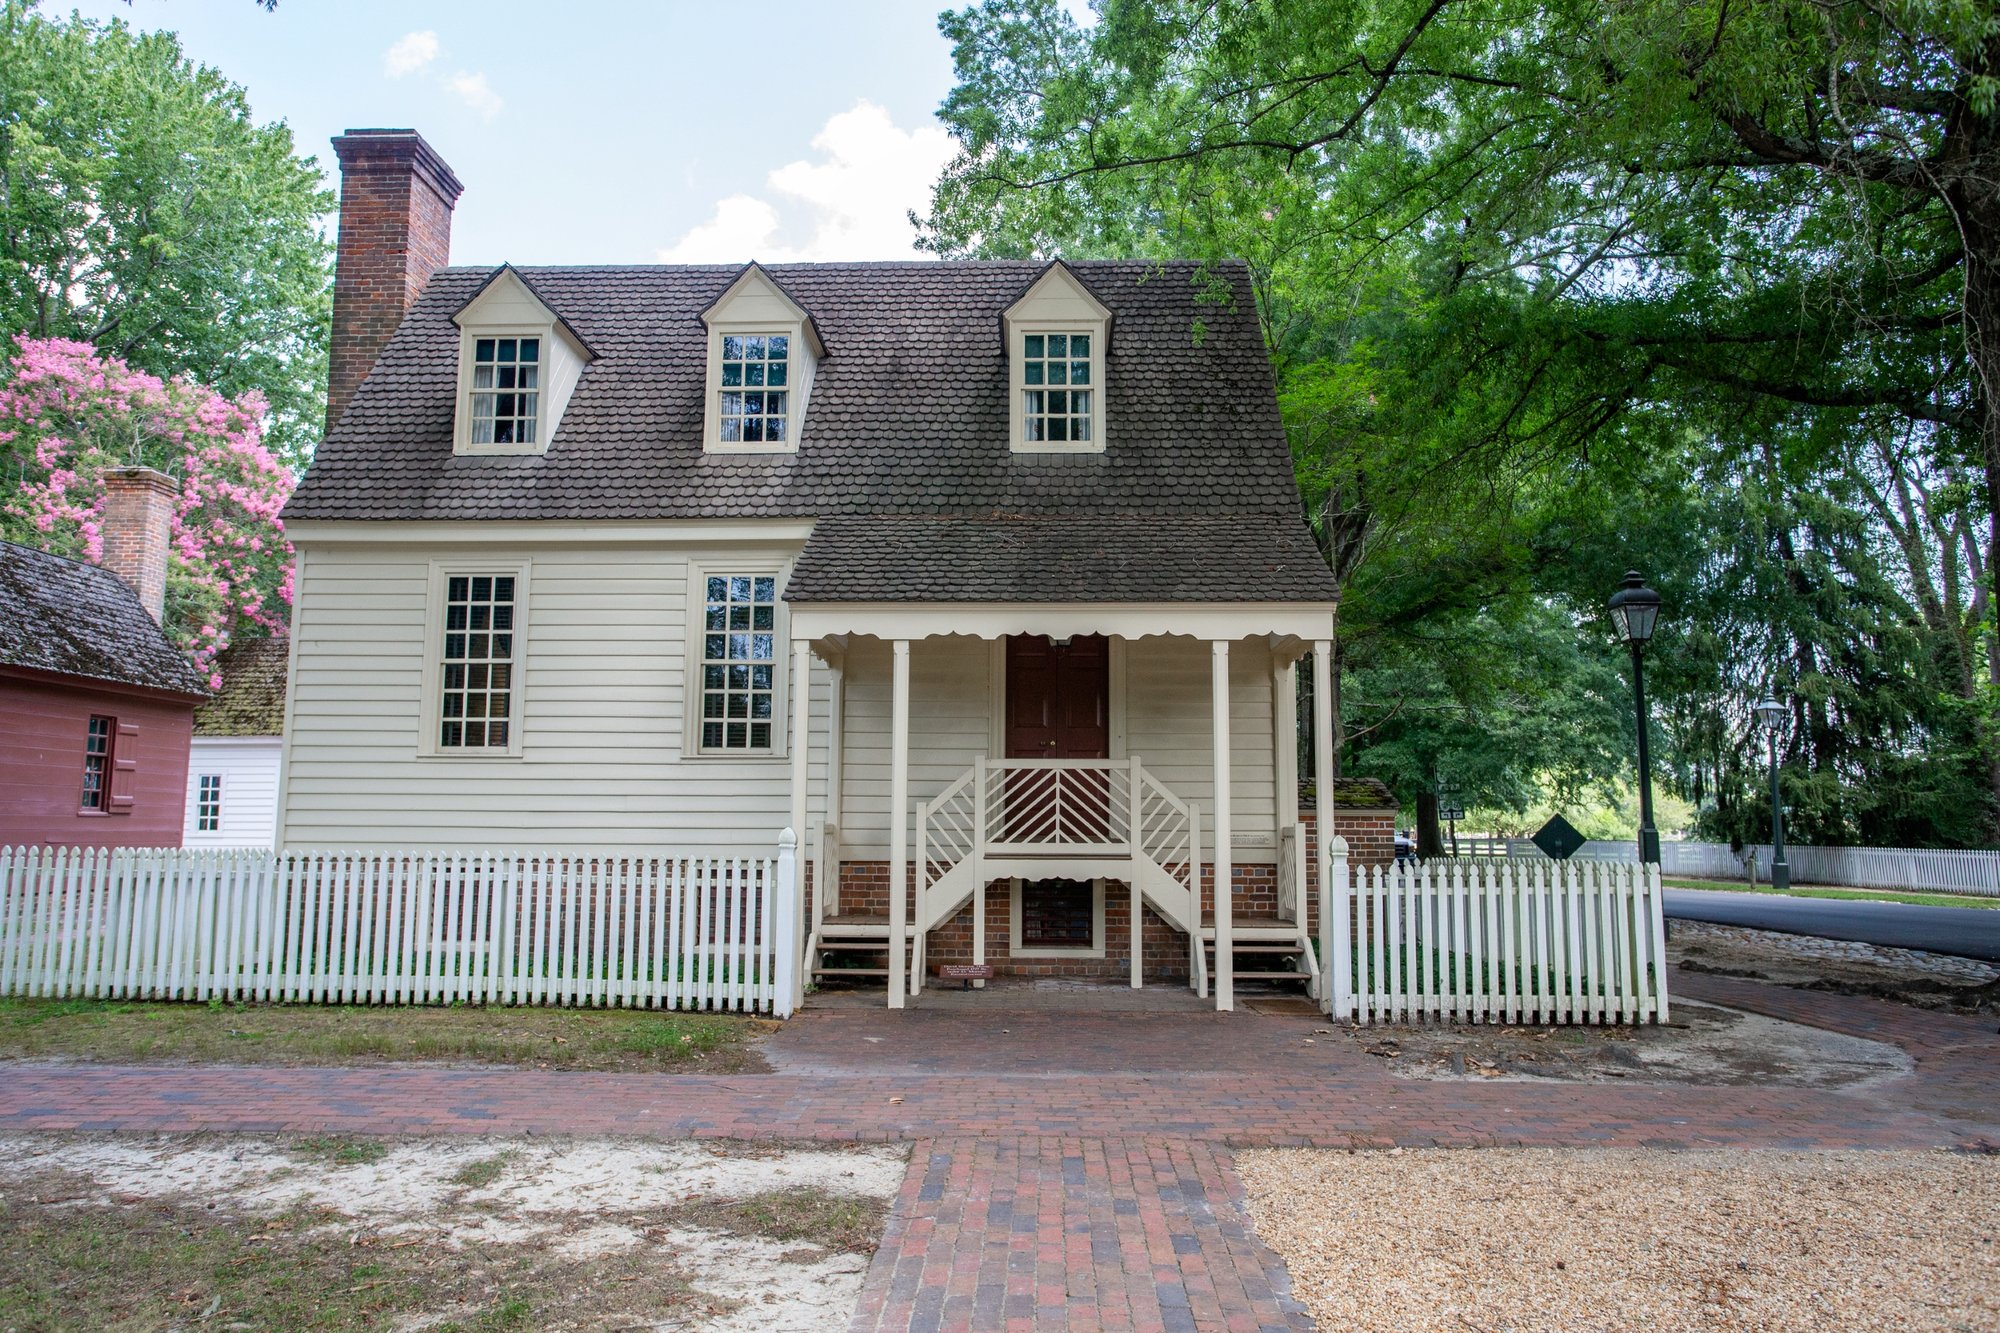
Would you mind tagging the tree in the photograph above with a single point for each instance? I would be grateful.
(1513, 253)
(70, 412)
(143, 211)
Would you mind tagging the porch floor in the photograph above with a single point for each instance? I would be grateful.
(1049, 995)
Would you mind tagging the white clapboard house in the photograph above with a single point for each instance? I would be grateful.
(232, 786)
(988, 578)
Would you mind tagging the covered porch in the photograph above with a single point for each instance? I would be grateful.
(964, 781)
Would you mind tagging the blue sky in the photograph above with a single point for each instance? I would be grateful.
(607, 131)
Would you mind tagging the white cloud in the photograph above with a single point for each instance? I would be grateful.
(476, 92)
(412, 52)
(852, 203)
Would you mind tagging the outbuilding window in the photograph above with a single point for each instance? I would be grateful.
(97, 764)
(208, 803)
(739, 664)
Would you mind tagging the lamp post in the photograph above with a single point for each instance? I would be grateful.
(1772, 714)
(1635, 610)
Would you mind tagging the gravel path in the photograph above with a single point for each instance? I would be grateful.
(1579, 1239)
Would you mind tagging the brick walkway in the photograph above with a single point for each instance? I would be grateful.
(1079, 1234)
(1068, 1163)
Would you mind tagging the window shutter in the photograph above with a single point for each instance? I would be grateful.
(125, 769)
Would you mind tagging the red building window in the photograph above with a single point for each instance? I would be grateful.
(97, 764)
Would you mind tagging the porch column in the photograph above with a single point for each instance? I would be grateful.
(1331, 976)
(1285, 789)
(899, 822)
(1225, 869)
(801, 755)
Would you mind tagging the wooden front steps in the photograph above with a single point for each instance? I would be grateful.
(849, 933)
(1263, 939)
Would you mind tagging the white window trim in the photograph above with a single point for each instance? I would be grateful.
(700, 568)
(433, 691)
(800, 377)
(1018, 387)
(200, 782)
(468, 334)
(1096, 949)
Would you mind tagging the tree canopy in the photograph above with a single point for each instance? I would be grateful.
(144, 211)
(1710, 289)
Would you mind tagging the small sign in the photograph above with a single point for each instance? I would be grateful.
(965, 972)
(1558, 839)
(1451, 814)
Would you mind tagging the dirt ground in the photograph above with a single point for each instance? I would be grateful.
(1908, 976)
(1572, 1239)
(1702, 1044)
(358, 1233)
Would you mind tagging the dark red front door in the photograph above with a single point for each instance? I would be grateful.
(1058, 698)
(1058, 707)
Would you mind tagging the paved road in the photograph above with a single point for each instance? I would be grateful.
(1970, 932)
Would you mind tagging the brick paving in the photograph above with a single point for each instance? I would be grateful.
(1075, 1166)
(1079, 1234)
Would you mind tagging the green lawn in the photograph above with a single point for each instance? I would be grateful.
(636, 1040)
(1815, 891)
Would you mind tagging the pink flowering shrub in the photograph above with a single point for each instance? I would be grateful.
(67, 413)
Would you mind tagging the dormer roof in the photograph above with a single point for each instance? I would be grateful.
(507, 274)
(753, 279)
(1057, 287)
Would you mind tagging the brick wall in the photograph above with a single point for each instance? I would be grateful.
(137, 522)
(396, 197)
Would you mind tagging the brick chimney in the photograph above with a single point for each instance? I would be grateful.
(138, 517)
(396, 197)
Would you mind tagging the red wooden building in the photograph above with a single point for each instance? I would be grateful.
(96, 703)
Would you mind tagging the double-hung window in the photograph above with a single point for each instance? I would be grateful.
(756, 388)
(739, 664)
(97, 764)
(208, 803)
(476, 692)
(506, 390)
(1056, 388)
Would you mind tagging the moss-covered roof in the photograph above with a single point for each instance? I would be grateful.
(1354, 794)
(252, 699)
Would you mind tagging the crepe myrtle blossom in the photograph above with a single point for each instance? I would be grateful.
(68, 412)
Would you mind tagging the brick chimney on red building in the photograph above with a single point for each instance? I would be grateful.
(136, 524)
(396, 197)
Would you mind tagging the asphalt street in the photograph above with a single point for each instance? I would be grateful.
(1969, 932)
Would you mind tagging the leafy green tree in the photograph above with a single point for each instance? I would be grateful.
(142, 210)
(1514, 258)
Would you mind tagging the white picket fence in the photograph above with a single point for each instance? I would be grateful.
(502, 928)
(1495, 942)
(1914, 869)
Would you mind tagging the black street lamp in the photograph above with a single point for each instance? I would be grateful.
(1635, 609)
(1772, 714)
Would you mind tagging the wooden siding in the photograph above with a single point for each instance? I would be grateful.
(248, 767)
(42, 731)
(599, 704)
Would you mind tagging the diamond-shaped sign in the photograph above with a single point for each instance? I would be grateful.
(1558, 839)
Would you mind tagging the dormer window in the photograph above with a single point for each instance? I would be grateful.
(519, 362)
(1057, 334)
(756, 396)
(506, 389)
(762, 351)
(1056, 388)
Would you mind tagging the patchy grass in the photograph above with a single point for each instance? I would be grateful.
(633, 1040)
(1862, 895)
(478, 1175)
(340, 1150)
(842, 1223)
(159, 1265)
